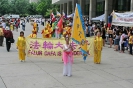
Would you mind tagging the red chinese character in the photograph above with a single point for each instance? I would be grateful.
(34, 45)
(59, 45)
(47, 45)
(59, 53)
(74, 45)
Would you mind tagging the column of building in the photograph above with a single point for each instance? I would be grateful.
(74, 5)
(131, 7)
(61, 8)
(108, 9)
(69, 5)
(92, 11)
(65, 8)
(82, 4)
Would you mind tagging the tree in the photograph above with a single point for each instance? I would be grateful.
(4, 5)
(19, 6)
(31, 9)
(43, 7)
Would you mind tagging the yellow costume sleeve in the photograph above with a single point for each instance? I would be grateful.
(29, 36)
(17, 44)
(95, 41)
(34, 36)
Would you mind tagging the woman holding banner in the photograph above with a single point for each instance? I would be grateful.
(67, 57)
(98, 44)
(21, 45)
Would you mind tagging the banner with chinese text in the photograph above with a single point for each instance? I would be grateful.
(53, 47)
(122, 19)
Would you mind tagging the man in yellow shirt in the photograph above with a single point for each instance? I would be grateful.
(131, 42)
(1, 35)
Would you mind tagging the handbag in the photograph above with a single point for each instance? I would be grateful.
(12, 40)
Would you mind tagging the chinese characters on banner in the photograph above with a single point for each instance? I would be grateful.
(53, 47)
(122, 19)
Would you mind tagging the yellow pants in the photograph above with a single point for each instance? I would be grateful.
(97, 57)
(21, 55)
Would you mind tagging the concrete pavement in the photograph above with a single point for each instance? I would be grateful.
(115, 71)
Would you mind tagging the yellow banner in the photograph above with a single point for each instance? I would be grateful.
(53, 47)
(78, 33)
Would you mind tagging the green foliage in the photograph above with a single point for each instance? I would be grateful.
(23, 7)
(45, 7)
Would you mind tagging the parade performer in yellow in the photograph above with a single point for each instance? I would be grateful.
(11, 27)
(33, 35)
(21, 45)
(47, 32)
(98, 44)
(67, 31)
(35, 26)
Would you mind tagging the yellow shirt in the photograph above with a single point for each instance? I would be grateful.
(131, 40)
(35, 25)
(11, 27)
(98, 43)
(21, 43)
(1, 32)
(32, 36)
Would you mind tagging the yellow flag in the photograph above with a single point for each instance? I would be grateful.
(114, 15)
(78, 31)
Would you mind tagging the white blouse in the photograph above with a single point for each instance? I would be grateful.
(67, 47)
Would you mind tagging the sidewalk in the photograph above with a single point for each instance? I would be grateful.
(115, 71)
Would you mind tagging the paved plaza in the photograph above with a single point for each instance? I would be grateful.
(115, 70)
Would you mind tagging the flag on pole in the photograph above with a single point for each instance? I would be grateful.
(64, 15)
(60, 25)
(57, 13)
(52, 16)
(78, 31)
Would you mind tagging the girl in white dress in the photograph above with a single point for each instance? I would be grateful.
(67, 58)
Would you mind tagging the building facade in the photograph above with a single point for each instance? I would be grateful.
(94, 8)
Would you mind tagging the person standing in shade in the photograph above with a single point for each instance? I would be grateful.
(43, 20)
(110, 33)
(117, 39)
(23, 25)
(21, 45)
(131, 43)
(1, 35)
(109, 20)
(8, 36)
(67, 58)
(98, 44)
(3, 24)
(103, 35)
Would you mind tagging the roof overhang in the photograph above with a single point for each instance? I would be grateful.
(60, 1)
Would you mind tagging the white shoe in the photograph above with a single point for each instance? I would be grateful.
(69, 75)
